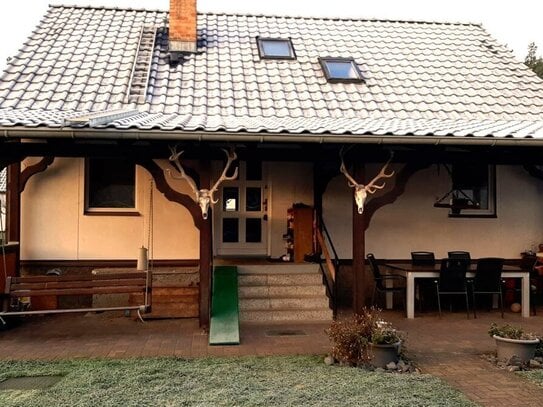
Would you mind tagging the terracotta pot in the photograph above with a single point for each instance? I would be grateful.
(523, 348)
(384, 354)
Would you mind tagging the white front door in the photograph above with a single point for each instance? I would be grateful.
(241, 213)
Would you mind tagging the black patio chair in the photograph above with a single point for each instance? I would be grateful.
(452, 280)
(459, 254)
(423, 287)
(488, 280)
(380, 286)
(423, 258)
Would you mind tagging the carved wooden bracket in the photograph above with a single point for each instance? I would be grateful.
(389, 197)
(535, 171)
(162, 185)
(28, 172)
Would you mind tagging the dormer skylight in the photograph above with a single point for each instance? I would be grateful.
(341, 70)
(275, 48)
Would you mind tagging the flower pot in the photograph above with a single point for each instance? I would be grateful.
(382, 355)
(523, 348)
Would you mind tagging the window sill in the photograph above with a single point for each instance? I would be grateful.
(488, 215)
(94, 212)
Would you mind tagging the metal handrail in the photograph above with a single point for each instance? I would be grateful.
(331, 271)
(329, 239)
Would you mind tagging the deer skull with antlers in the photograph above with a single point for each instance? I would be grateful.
(204, 197)
(361, 191)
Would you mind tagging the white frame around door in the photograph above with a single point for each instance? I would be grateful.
(241, 247)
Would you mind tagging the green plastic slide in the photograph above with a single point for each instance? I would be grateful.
(224, 324)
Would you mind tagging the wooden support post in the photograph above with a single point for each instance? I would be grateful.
(204, 227)
(206, 263)
(206, 251)
(13, 200)
(360, 279)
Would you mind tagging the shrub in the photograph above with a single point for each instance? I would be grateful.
(351, 336)
(510, 332)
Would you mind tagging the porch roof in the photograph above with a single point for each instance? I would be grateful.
(421, 79)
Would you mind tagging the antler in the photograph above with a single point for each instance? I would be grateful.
(231, 157)
(371, 187)
(174, 158)
(343, 170)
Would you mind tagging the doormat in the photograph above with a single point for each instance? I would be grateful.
(286, 332)
(29, 382)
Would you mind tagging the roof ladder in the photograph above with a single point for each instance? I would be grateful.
(137, 88)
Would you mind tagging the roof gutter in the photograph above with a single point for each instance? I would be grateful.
(161, 135)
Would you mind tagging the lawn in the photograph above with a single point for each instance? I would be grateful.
(245, 381)
(535, 376)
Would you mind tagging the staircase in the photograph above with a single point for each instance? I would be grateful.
(282, 292)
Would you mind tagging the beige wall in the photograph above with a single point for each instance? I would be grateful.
(412, 223)
(54, 226)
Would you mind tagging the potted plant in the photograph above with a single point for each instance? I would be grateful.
(385, 344)
(365, 339)
(512, 341)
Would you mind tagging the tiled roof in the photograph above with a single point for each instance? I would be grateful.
(3, 181)
(422, 78)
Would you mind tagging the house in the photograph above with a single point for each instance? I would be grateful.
(98, 100)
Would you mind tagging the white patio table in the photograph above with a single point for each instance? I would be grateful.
(411, 271)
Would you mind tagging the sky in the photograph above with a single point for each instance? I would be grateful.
(513, 23)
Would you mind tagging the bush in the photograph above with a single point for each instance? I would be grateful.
(510, 332)
(351, 337)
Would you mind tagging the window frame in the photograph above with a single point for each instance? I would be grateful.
(107, 211)
(263, 55)
(489, 212)
(323, 62)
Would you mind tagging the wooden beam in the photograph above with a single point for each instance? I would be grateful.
(13, 205)
(13, 198)
(535, 171)
(28, 172)
(361, 276)
(171, 194)
(204, 226)
(400, 182)
(361, 280)
(206, 252)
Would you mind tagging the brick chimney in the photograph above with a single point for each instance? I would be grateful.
(182, 37)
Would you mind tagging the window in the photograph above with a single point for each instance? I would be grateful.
(110, 185)
(341, 70)
(475, 183)
(275, 48)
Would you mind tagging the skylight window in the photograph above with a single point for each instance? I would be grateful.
(341, 70)
(275, 48)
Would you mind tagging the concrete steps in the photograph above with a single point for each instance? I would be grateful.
(282, 292)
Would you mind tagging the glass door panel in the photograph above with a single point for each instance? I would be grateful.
(230, 199)
(241, 218)
(230, 230)
(253, 199)
(253, 230)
